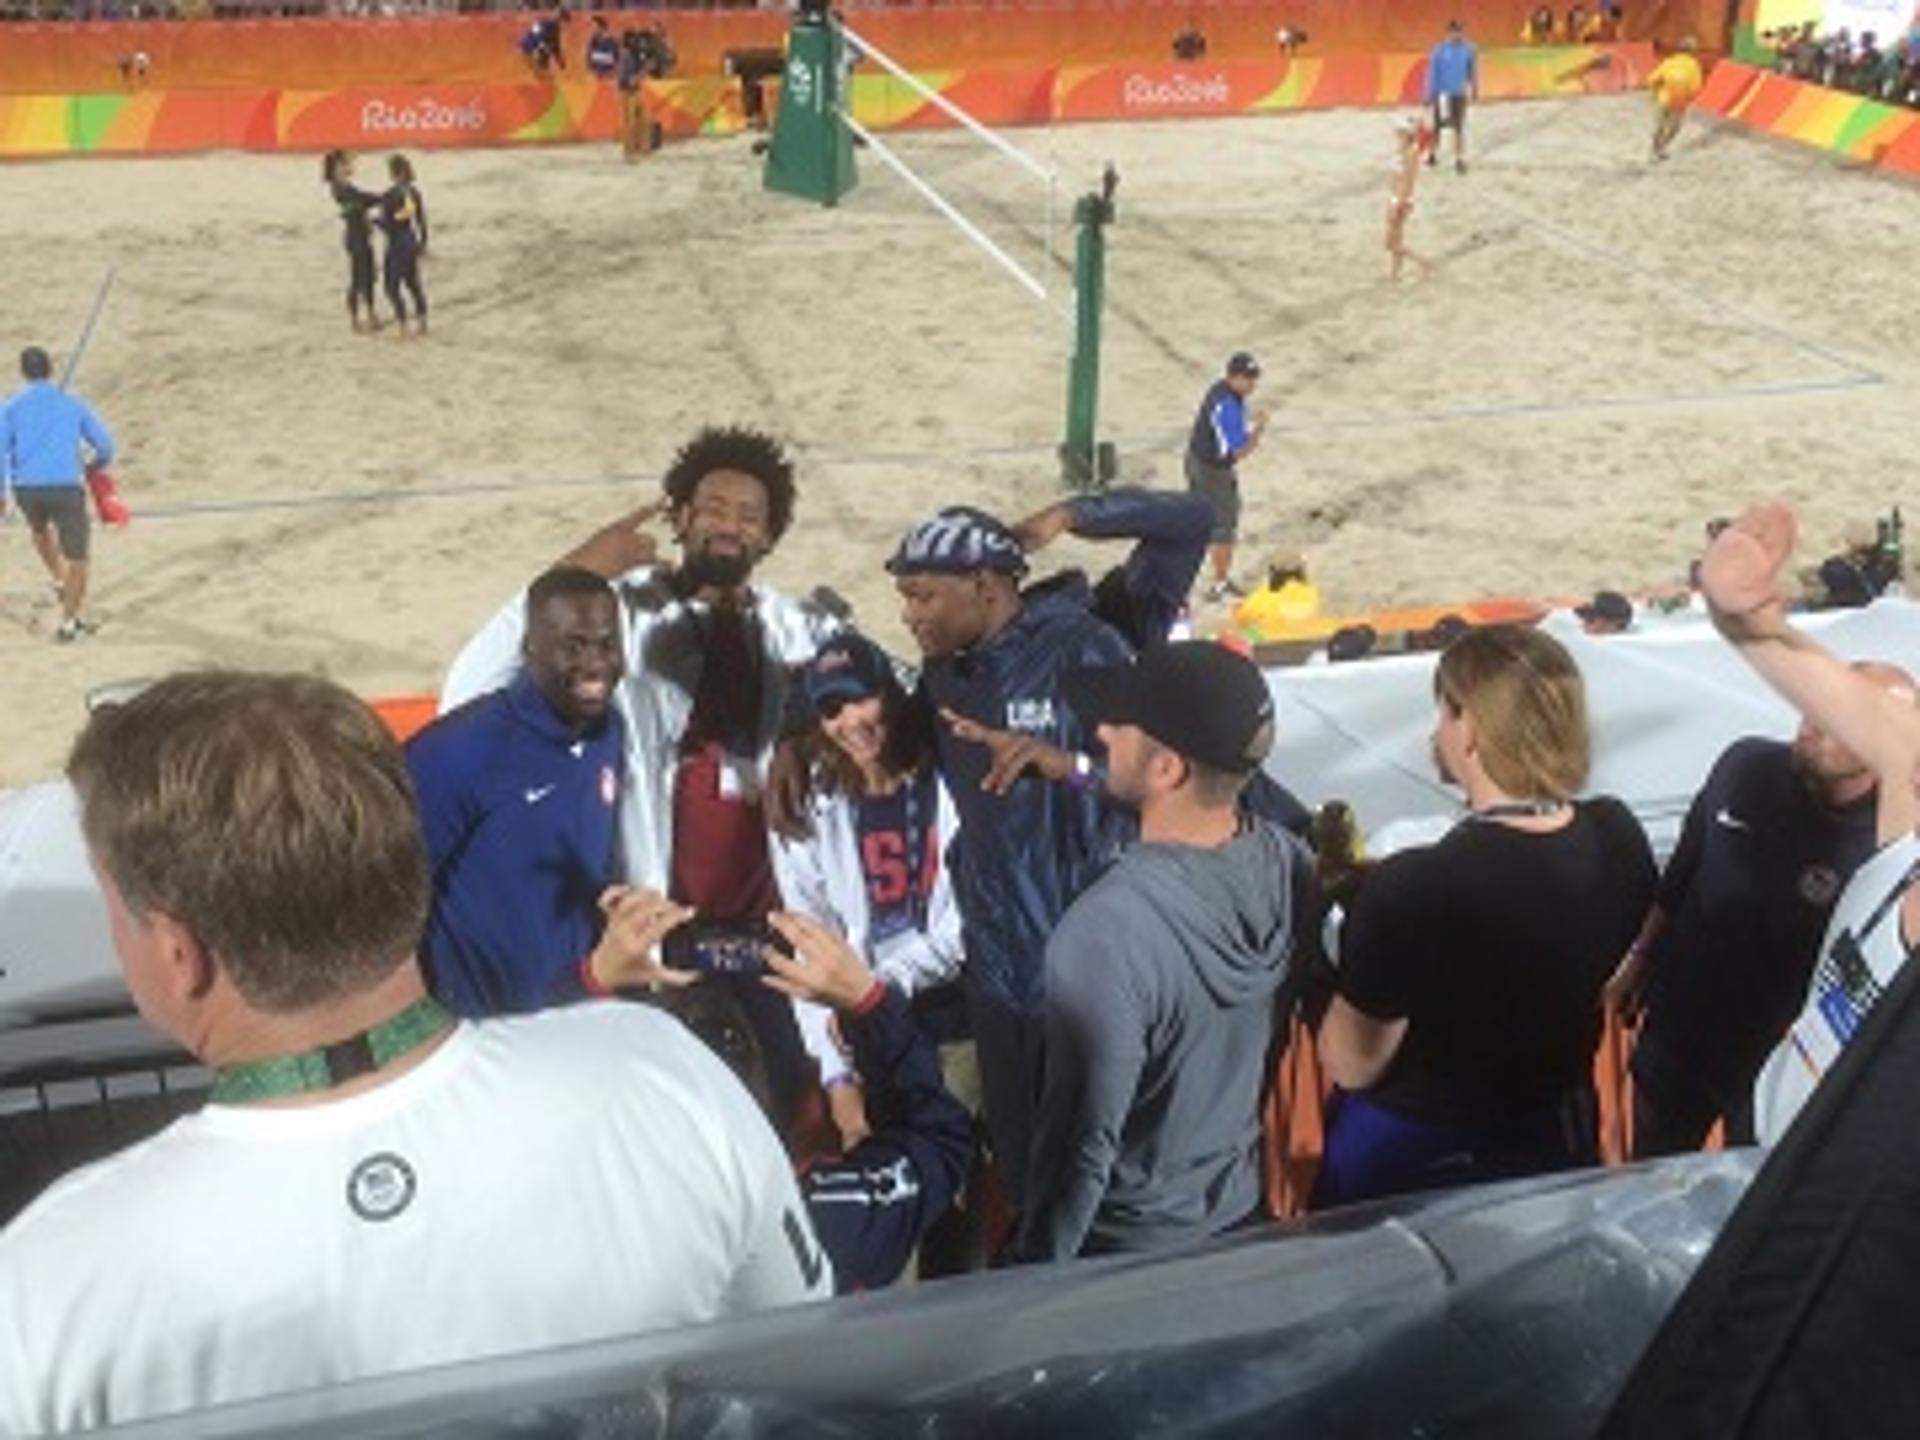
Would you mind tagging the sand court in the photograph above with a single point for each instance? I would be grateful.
(1609, 354)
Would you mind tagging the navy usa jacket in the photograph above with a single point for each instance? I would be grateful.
(1021, 858)
(871, 1206)
(521, 824)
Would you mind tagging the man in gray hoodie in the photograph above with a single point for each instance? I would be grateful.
(1161, 978)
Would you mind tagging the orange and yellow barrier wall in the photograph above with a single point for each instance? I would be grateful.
(1850, 126)
(398, 116)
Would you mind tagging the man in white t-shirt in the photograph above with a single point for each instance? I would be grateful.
(1876, 921)
(373, 1187)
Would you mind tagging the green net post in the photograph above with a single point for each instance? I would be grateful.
(1084, 463)
(812, 152)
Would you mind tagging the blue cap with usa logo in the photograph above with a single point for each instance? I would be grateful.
(847, 666)
(958, 541)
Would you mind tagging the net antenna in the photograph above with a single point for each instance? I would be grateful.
(1040, 171)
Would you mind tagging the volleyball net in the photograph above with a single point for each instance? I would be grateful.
(999, 197)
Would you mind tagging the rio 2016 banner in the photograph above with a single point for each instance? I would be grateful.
(420, 117)
(171, 122)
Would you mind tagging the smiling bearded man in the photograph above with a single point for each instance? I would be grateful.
(711, 660)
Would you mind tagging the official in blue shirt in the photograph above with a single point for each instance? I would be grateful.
(519, 795)
(42, 428)
(1453, 74)
(1222, 437)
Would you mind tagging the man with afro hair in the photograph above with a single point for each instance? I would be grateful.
(710, 658)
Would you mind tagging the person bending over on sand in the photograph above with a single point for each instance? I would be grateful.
(1674, 83)
(1410, 143)
(355, 206)
(403, 216)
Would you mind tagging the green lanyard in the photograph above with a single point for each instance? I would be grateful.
(331, 1065)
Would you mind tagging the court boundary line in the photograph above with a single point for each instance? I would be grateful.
(1153, 443)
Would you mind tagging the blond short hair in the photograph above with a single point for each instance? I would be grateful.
(1528, 704)
(270, 815)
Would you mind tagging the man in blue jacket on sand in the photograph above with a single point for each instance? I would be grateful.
(42, 429)
(1453, 75)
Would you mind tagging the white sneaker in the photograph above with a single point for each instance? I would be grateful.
(71, 629)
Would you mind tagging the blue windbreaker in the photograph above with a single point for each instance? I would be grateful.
(1021, 858)
(520, 817)
(871, 1207)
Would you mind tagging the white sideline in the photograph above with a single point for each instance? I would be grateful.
(939, 202)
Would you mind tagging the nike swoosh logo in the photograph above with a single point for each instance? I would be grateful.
(534, 797)
(1732, 821)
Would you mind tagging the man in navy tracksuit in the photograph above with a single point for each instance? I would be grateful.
(519, 794)
(996, 658)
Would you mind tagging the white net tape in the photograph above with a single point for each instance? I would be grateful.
(1004, 232)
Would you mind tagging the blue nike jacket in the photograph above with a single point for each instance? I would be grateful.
(521, 822)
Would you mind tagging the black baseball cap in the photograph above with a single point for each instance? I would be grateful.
(1241, 362)
(1608, 607)
(1199, 699)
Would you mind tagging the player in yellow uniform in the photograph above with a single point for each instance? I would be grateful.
(1674, 82)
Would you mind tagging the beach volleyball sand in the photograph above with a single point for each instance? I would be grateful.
(1609, 355)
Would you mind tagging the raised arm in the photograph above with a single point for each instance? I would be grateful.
(1170, 534)
(1740, 578)
(613, 550)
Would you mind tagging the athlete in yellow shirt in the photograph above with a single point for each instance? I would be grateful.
(1674, 82)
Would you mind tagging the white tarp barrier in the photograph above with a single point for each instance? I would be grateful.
(1664, 704)
(55, 954)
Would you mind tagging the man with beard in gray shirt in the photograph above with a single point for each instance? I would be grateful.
(1161, 979)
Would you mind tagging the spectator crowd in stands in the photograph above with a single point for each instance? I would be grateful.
(1878, 66)
(91, 10)
(1603, 24)
(1000, 938)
